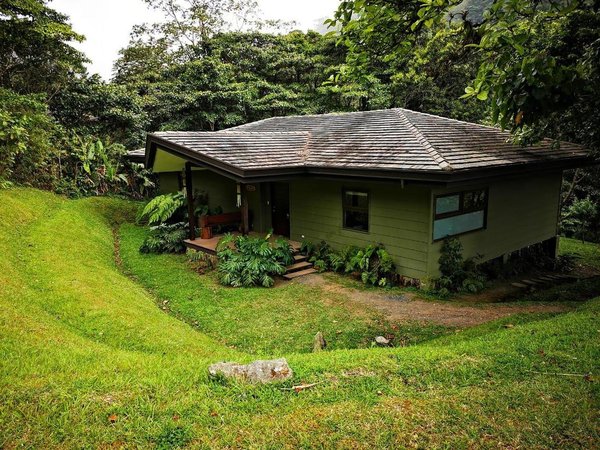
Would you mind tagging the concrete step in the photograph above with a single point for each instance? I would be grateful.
(291, 276)
(302, 265)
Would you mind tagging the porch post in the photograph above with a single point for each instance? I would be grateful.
(245, 225)
(190, 200)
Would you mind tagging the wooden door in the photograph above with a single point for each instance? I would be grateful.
(280, 208)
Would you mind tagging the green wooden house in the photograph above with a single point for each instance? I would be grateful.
(397, 177)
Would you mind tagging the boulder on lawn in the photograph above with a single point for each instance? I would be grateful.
(260, 371)
(382, 341)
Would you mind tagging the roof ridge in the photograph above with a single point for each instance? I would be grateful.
(437, 157)
(331, 113)
(493, 127)
(257, 132)
(454, 120)
(227, 131)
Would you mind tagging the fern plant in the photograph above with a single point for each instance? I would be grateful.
(374, 264)
(165, 238)
(162, 208)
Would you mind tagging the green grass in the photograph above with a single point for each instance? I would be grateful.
(264, 322)
(82, 342)
(586, 252)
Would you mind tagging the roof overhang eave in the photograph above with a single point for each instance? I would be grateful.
(437, 176)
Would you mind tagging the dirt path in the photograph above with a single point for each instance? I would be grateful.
(408, 307)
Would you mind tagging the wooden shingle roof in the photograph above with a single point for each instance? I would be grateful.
(385, 143)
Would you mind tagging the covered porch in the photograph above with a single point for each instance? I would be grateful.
(233, 203)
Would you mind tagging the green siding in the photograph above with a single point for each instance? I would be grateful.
(221, 190)
(167, 182)
(398, 218)
(521, 211)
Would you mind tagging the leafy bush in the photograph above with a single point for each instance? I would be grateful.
(165, 238)
(162, 208)
(457, 273)
(341, 261)
(320, 256)
(283, 252)
(27, 132)
(307, 248)
(89, 166)
(374, 264)
(246, 261)
(578, 217)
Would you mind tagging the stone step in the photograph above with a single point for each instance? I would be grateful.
(298, 266)
(299, 258)
(291, 276)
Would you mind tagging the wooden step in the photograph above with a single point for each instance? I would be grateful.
(299, 258)
(298, 266)
(546, 278)
(520, 285)
(291, 276)
(552, 276)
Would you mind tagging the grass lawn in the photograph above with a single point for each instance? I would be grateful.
(265, 322)
(90, 361)
(587, 252)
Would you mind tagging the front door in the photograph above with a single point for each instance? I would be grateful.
(280, 208)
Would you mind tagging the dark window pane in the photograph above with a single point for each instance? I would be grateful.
(356, 220)
(474, 200)
(356, 199)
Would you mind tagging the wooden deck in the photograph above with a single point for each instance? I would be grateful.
(210, 245)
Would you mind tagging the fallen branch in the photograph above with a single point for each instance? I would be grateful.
(302, 387)
(587, 376)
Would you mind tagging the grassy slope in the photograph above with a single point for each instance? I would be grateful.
(588, 251)
(259, 321)
(80, 341)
